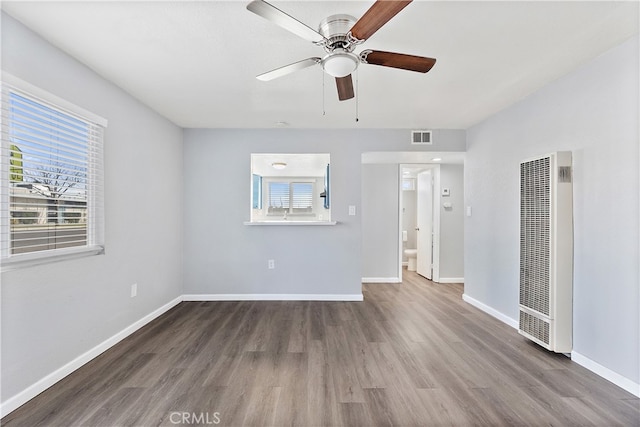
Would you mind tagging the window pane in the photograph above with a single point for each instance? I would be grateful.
(302, 195)
(279, 195)
(48, 177)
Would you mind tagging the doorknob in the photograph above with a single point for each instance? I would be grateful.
(417, 229)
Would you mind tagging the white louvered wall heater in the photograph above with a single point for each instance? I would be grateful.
(546, 251)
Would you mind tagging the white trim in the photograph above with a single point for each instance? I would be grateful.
(401, 263)
(437, 205)
(381, 280)
(32, 391)
(45, 257)
(606, 373)
(35, 91)
(273, 297)
(288, 222)
(490, 311)
(451, 280)
(38, 387)
(41, 385)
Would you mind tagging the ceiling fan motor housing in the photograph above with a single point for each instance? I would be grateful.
(335, 29)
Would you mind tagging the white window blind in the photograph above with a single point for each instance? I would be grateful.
(302, 196)
(279, 195)
(52, 178)
(292, 197)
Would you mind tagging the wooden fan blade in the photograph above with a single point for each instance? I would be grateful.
(398, 60)
(288, 69)
(378, 14)
(345, 87)
(284, 20)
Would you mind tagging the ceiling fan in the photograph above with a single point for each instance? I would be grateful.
(339, 35)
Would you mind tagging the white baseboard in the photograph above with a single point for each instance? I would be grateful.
(381, 280)
(30, 392)
(492, 312)
(38, 387)
(33, 390)
(606, 373)
(273, 297)
(451, 280)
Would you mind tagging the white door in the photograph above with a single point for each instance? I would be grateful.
(424, 229)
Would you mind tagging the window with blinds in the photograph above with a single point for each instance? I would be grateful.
(290, 197)
(301, 196)
(51, 178)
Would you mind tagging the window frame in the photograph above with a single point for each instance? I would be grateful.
(266, 191)
(95, 174)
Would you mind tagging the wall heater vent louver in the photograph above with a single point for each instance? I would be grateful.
(546, 251)
(534, 327)
(422, 137)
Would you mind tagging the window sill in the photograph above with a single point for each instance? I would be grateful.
(39, 258)
(289, 222)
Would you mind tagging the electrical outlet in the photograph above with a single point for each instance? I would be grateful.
(271, 264)
(134, 290)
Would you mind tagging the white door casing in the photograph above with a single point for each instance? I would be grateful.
(424, 231)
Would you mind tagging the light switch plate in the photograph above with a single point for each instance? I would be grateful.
(352, 210)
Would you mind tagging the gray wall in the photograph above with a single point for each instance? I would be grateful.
(380, 220)
(224, 256)
(592, 112)
(452, 223)
(53, 313)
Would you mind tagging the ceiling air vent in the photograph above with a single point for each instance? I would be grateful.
(421, 137)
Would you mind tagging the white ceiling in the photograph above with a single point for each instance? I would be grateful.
(195, 62)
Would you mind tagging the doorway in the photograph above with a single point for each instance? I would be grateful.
(420, 218)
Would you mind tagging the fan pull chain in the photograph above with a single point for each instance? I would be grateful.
(357, 93)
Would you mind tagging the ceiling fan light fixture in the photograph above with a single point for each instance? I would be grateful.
(340, 63)
(339, 35)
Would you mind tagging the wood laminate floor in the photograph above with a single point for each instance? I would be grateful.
(412, 354)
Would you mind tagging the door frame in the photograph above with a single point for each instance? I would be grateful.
(424, 222)
(435, 169)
